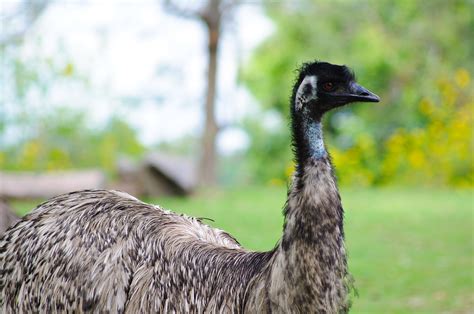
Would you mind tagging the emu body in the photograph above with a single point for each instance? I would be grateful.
(105, 251)
(87, 250)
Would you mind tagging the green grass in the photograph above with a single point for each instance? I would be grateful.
(410, 250)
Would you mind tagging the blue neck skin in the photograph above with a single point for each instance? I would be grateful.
(314, 137)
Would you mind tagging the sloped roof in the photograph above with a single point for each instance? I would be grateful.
(177, 169)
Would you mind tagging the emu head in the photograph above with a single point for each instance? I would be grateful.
(322, 86)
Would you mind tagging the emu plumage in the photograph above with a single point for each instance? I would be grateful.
(106, 251)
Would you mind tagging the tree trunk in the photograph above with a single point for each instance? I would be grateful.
(211, 15)
(208, 162)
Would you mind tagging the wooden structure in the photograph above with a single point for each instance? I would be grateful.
(158, 174)
(164, 174)
(31, 185)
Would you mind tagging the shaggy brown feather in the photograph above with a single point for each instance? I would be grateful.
(105, 251)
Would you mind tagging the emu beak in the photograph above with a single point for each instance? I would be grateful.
(359, 93)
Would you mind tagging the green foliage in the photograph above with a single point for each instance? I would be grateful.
(63, 140)
(439, 152)
(269, 155)
(398, 50)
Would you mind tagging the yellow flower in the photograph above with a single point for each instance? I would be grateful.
(290, 168)
(275, 182)
(68, 70)
(462, 78)
(416, 159)
(426, 107)
(449, 94)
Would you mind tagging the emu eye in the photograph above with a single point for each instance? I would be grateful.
(328, 86)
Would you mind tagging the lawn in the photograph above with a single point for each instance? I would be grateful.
(410, 250)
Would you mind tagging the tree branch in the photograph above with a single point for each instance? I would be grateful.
(31, 11)
(177, 10)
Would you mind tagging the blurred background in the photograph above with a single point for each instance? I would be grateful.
(185, 103)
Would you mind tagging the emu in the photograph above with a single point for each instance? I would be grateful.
(106, 251)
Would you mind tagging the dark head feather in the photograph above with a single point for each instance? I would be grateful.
(324, 71)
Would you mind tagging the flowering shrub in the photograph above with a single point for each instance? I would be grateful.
(439, 152)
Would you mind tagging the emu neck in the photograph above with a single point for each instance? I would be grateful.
(308, 141)
(310, 268)
(314, 139)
